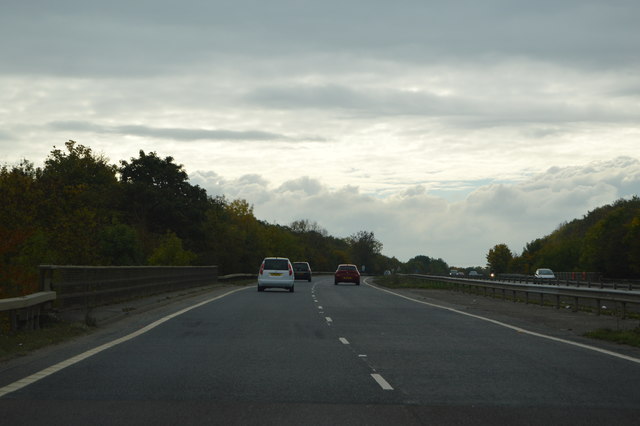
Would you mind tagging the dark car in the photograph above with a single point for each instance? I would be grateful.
(347, 274)
(302, 271)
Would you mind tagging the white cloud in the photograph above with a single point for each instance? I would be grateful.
(415, 222)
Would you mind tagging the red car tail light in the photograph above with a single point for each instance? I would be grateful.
(262, 268)
(290, 270)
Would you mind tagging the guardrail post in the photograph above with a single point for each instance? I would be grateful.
(13, 320)
(46, 276)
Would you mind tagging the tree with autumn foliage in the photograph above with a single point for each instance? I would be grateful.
(499, 258)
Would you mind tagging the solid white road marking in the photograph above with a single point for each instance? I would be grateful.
(513, 327)
(381, 381)
(344, 341)
(64, 364)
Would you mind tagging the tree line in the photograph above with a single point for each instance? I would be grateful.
(605, 240)
(79, 209)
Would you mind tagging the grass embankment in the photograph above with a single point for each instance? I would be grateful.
(52, 333)
(395, 281)
(625, 337)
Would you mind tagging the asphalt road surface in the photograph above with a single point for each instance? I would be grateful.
(324, 354)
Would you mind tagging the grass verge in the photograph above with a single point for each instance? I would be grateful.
(395, 281)
(52, 333)
(625, 337)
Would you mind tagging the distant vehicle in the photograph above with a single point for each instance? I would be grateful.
(474, 274)
(456, 273)
(387, 273)
(276, 272)
(302, 271)
(347, 273)
(545, 274)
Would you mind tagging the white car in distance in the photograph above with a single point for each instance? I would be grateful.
(545, 274)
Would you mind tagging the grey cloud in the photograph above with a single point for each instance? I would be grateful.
(558, 195)
(363, 100)
(171, 133)
(293, 97)
(465, 110)
(118, 38)
(252, 179)
(304, 185)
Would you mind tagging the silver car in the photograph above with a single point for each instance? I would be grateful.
(545, 274)
(276, 272)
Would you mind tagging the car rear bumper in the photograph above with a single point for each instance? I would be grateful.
(347, 279)
(275, 283)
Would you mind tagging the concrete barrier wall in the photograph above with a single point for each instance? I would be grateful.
(89, 286)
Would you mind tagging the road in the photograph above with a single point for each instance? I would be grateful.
(324, 354)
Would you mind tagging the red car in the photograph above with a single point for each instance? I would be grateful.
(347, 274)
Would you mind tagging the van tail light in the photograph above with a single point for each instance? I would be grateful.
(261, 269)
(290, 270)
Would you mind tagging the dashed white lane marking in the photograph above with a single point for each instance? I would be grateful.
(362, 356)
(319, 307)
(381, 381)
(344, 341)
(64, 364)
(513, 327)
(329, 320)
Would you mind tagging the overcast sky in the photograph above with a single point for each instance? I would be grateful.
(443, 127)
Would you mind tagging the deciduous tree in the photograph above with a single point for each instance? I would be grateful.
(499, 258)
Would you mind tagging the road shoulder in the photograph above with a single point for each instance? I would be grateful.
(560, 323)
